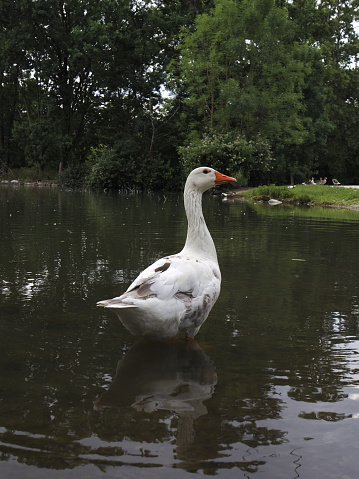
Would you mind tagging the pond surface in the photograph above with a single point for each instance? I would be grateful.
(270, 387)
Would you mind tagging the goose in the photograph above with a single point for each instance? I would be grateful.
(321, 181)
(176, 293)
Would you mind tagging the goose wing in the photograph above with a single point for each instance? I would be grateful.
(173, 276)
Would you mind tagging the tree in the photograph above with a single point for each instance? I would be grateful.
(139, 121)
(80, 75)
(245, 73)
(281, 69)
(94, 72)
(13, 66)
(331, 92)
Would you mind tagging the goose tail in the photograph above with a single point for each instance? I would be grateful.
(114, 304)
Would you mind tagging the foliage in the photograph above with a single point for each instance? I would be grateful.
(105, 169)
(40, 141)
(266, 67)
(229, 152)
(276, 82)
(74, 176)
(331, 92)
(243, 71)
(28, 174)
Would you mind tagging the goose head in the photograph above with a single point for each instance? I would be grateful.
(204, 178)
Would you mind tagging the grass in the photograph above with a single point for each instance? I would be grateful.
(306, 194)
(29, 175)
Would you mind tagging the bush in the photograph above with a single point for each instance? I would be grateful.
(29, 174)
(229, 153)
(272, 191)
(155, 173)
(74, 176)
(105, 169)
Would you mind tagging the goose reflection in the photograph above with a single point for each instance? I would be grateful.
(174, 375)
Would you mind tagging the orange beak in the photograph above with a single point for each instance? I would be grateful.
(222, 179)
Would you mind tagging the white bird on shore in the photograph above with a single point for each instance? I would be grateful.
(176, 293)
(274, 202)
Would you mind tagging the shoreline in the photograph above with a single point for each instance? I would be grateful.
(231, 195)
(289, 201)
(29, 182)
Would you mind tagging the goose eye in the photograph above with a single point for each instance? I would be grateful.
(205, 172)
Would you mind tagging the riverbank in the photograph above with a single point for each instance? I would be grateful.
(346, 196)
(312, 195)
(39, 183)
(29, 177)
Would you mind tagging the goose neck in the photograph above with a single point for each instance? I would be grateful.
(199, 238)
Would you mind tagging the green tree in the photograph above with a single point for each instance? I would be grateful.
(245, 72)
(331, 92)
(70, 48)
(139, 121)
(94, 75)
(340, 45)
(81, 76)
(13, 66)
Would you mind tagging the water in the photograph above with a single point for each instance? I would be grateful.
(269, 389)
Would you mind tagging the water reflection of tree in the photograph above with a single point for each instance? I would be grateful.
(283, 321)
(291, 267)
(296, 292)
(57, 243)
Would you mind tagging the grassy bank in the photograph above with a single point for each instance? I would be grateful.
(29, 175)
(306, 195)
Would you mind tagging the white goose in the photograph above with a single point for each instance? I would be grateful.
(176, 293)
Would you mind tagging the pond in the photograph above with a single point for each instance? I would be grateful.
(269, 388)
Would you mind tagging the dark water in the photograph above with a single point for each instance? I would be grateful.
(271, 388)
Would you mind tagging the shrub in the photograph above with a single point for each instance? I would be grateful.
(105, 169)
(229, 152)
(74, 176)
(272, 191)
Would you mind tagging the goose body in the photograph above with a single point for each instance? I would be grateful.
(176, 293)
